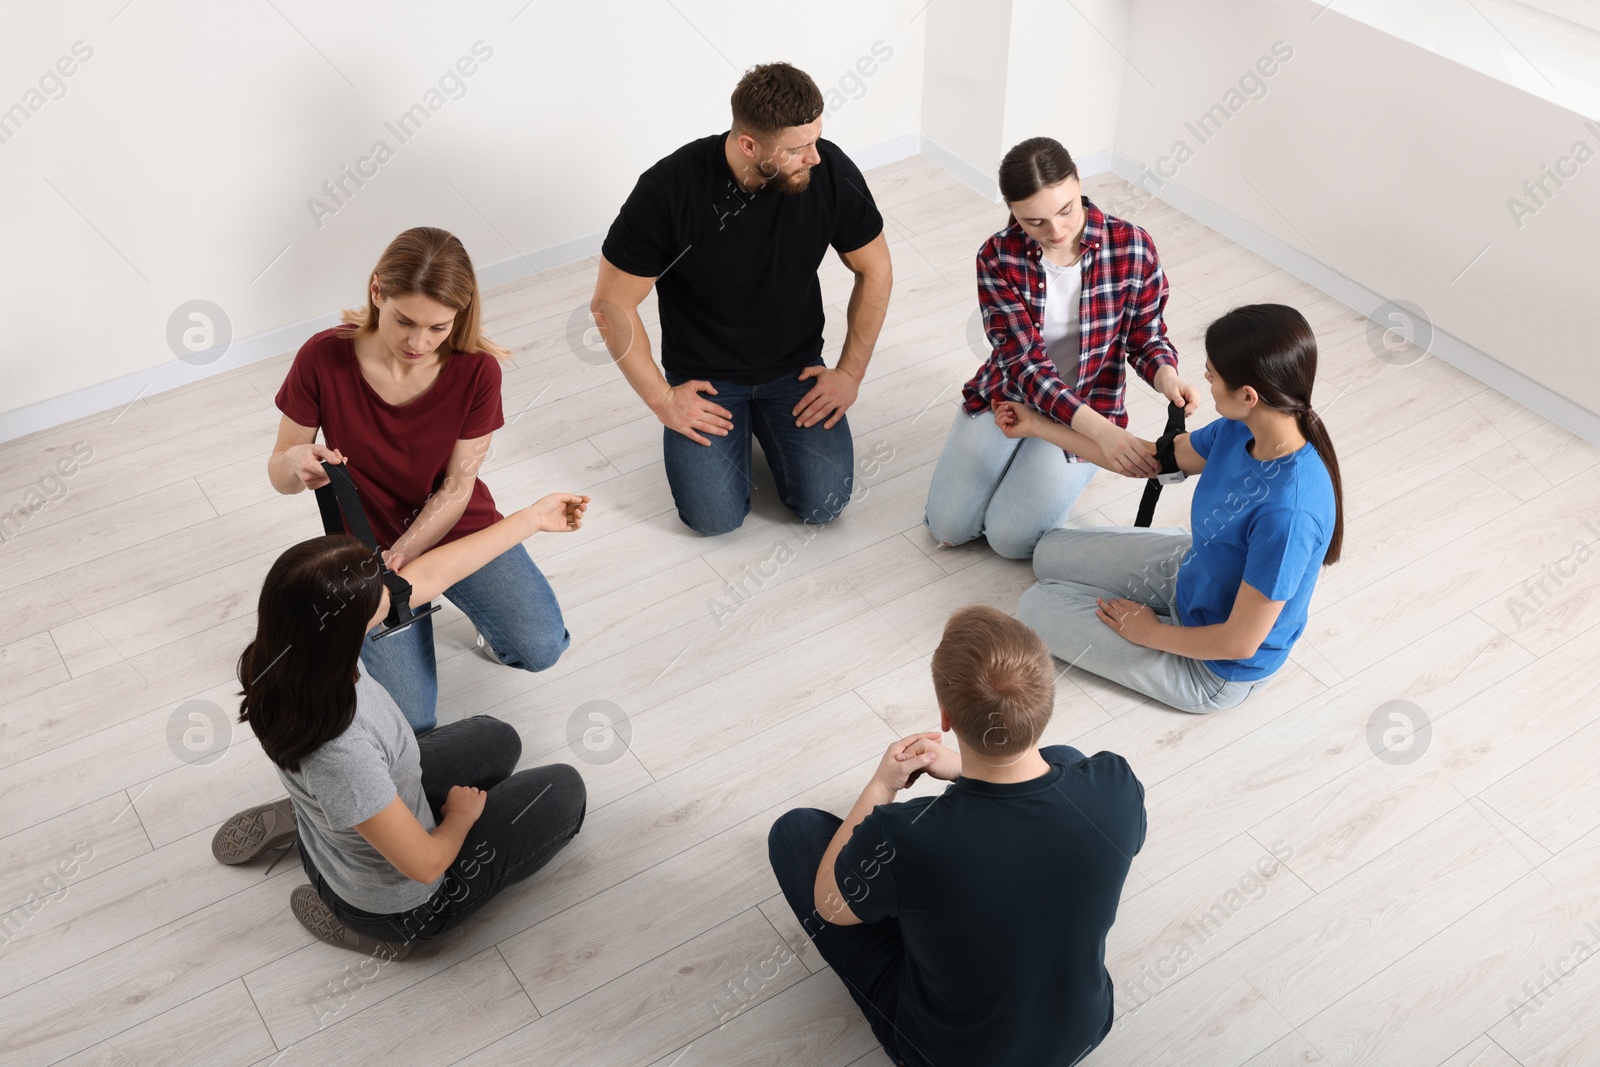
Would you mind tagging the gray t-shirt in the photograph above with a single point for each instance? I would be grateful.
(349, 780)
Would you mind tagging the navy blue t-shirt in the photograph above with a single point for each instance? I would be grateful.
(1267, 523)
(736, 271)
(1004, 895)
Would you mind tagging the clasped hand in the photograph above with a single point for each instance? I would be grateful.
(910, 757)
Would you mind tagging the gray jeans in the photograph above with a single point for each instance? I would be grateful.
(1075, 567)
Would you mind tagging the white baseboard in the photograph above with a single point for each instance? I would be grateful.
(976, 177)
(173, 374)
(522, 266)
(892, 151)
(1454, 351)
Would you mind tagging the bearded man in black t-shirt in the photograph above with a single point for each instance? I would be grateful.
(730, 229)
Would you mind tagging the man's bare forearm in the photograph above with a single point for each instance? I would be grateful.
(635, 360)
(864, 315)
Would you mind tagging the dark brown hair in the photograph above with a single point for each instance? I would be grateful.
(994, 678)
(431, 262)
(1270, 347)
(299, 674)
(1032, 165)
(774, 97)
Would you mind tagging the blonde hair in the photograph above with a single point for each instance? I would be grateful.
(430, 262)
(994, 678)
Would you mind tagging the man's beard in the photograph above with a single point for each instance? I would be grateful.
(792, 184)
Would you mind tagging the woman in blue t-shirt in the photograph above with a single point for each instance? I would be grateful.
(1199, 620)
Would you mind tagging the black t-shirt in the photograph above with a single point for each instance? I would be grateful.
(1004, 895)
(740, 302)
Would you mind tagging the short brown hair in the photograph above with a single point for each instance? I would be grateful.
(994, 678)
(773, 97)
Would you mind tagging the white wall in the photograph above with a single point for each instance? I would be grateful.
(1390, 165)
(178, 162)
(1548, 48)
(964, 86)
(1001, 71)
(1065, 76)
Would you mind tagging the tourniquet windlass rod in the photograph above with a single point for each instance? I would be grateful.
(340, 506)
(1166, 456)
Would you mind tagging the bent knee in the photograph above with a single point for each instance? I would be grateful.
(567, 786)
(820, 513)
(501, 738)
(1013, 547)
(949, 527)
(1031, 606)
(708, 525)
(543, 652)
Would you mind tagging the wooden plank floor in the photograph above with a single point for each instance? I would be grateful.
(1299, 900)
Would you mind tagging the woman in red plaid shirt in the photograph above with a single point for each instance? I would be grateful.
(1067, 293)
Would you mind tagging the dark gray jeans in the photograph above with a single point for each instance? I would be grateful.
(526, 820)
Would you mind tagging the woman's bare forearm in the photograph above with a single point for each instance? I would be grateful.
(282, 475)
(1065, 437)
(439, 568)
(1216, 641)
(437, 518)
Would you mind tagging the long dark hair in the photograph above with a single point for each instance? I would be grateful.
(1032, 165)
(1270, 347)
(299, 674)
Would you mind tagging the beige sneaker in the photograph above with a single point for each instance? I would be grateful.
(315, 916)
(255, 831)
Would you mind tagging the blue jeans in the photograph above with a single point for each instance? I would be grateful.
(868, 957)
(811, 466)
(510, 603)
(1075, 567)
(1009, 491)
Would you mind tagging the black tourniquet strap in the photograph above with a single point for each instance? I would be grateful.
(340, 506)
(1166, 456)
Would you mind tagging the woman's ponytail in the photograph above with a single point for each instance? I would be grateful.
(1270, 347)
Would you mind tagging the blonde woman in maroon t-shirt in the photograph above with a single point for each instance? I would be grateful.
(407, 394)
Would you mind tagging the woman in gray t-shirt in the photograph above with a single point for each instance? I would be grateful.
(401, 836)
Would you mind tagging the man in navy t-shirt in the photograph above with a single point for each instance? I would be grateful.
(970, 927)
(730, 230)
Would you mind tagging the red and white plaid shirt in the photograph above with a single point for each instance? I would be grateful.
(1120, 314)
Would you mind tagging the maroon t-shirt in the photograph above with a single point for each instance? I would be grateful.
(397, 454)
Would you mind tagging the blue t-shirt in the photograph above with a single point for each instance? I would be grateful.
(1265, 523)
(1004, 894)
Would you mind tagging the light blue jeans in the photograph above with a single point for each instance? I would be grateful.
(1075, 567)
(1009, 491)
(510, 603)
